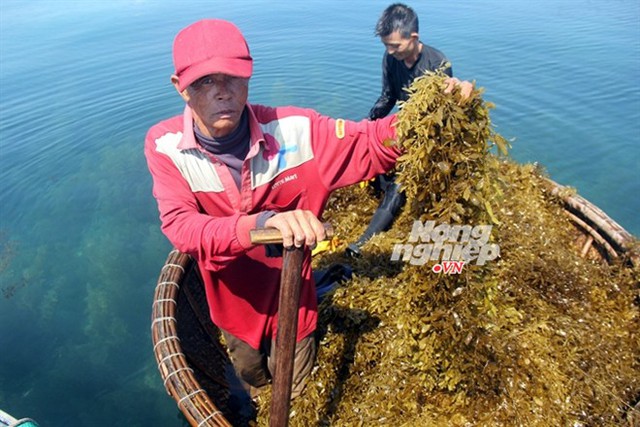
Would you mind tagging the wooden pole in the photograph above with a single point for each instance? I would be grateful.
(286, 336)
(289, 300)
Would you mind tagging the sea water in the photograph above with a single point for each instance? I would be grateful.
(82, 81)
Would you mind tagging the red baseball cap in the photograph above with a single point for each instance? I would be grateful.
(210, 46)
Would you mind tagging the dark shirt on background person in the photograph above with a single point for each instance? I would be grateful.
(405, 58)
(396, 77)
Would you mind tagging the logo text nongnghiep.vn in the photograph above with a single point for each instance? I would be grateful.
(451, 246)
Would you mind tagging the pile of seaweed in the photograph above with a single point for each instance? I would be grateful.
(537, 336)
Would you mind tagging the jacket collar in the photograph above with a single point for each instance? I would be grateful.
(188, 140)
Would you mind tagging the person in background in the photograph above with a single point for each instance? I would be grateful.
(225, 166)
(405, 58)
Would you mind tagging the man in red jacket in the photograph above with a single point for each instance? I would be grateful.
(226, 166)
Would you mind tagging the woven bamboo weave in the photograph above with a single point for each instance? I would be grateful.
(599, 236)
(190, 357)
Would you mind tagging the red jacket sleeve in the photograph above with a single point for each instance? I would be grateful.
(348, 152)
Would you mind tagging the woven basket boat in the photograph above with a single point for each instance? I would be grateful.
(193, 362)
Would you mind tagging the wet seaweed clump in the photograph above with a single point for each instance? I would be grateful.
(538, 333)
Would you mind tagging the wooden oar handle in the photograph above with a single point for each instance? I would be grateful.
(265, 236)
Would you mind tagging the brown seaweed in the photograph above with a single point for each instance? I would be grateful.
(539, 336)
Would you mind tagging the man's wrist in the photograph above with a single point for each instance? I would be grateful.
(263, 217)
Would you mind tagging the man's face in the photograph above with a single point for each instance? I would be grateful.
(217, 102)
(400, 47)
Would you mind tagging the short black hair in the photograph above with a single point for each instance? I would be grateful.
(397, 17)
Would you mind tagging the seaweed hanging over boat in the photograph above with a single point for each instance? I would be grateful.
(537, 336)
(445, 169)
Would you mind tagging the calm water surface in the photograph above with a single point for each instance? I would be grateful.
(82, 81)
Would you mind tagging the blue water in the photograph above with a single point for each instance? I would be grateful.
(82, 81)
